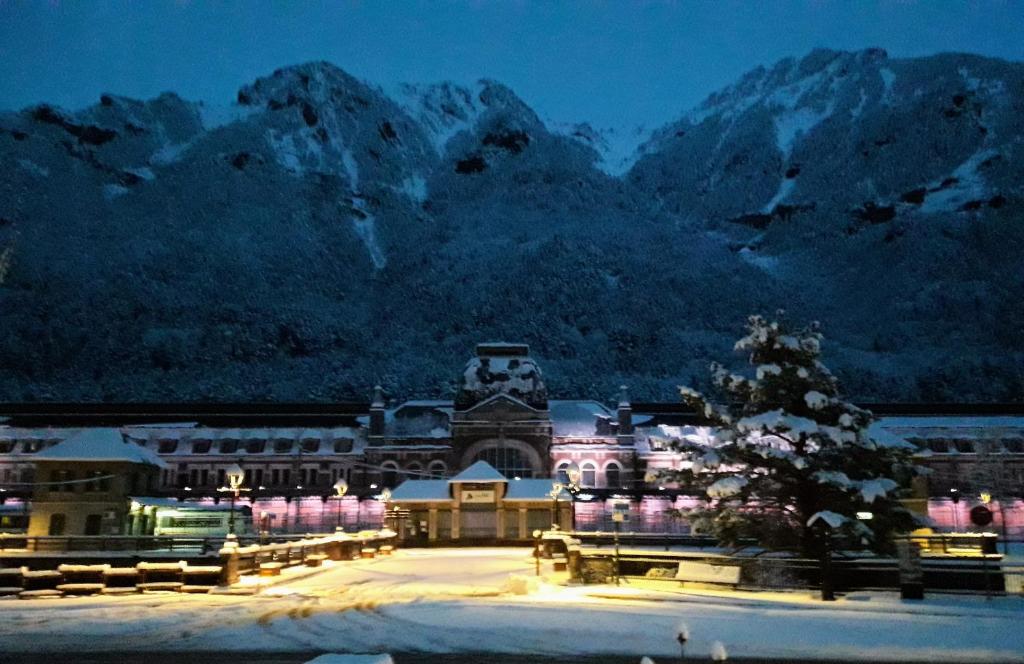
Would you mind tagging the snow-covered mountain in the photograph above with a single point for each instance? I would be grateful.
(320, 234)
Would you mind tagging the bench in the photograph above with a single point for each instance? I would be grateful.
(40, 594)
(200, 578)
(44, 579)
(315, 560)
(80, 588)
(120, 579)
(386, 550)
(368, 552)
(160, 586)
(83, 574)
(271, 569)
(701, 572)
(119, 590)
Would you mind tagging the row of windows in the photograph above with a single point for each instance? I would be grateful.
(392, 476)
(68, 481)
(27, 446)
(256, 446)
(254, 477)
(970, 446)
(589, 476)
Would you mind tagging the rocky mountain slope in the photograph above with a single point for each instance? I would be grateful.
(320, 234)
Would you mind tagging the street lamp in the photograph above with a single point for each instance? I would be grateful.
(385, 498)
(556, 491)
(573, 474)
(340, 489)
(235, 476)
(954, 495)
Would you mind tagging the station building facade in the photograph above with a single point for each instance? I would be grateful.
(500, 415)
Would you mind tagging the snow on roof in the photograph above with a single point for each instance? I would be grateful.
(100, 444)
(481, 471)
(576, 418)
(421, 490)
(533, 489)
(174, 503)
(951, 422)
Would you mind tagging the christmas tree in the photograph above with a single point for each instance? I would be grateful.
(790, 462)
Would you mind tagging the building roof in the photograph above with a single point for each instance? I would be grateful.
(576, 417)
(481, 471)
(174, 503)
(421, 491)
(100, 444)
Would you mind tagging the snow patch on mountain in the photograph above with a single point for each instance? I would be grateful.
(32, 167)
(618, 148)
(784, 190)
(112, 191)
(285, 151)
(793, 115)
(993, 87)
(766, 263)
(964, 184)
(888, 79)
(364, 224)
(213, 116)
(442, 109)
(415, 187)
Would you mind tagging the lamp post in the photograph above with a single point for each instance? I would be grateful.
(573, 473)
(235, 476)
(556, 491)
(385, 497)
(536, 551)
(340, 489)
(954, 495)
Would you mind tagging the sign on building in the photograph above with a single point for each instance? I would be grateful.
(478, 495)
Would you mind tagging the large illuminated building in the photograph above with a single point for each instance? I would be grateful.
(500, 414)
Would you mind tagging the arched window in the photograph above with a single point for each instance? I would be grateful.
(561, 472)
(588, 474)
(389, 474)
(613, 475)
(414, 470)
(437, 469)
(508, 461)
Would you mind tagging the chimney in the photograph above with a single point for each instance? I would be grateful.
(625, 416)
(377, 414)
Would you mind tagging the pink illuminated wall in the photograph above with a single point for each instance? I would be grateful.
(949, 517)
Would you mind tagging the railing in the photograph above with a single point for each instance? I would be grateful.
(238, 560)
(948, 563)
(133, 543)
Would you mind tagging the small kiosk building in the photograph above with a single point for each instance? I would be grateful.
(477, 505)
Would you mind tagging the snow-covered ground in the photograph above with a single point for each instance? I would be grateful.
(456, 600)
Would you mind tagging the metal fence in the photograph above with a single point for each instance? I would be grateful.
(947, 564)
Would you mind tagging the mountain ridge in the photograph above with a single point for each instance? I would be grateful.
(322, 235)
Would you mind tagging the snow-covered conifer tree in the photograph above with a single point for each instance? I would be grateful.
(789, 451)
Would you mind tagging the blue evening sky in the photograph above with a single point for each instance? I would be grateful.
(610, 62)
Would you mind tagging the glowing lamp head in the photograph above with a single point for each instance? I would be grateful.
(986, 497)
(235, 475)
(385, 495)
(341, 488)
(572, 471)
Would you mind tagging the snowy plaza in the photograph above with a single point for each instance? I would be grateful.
(487, 600)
